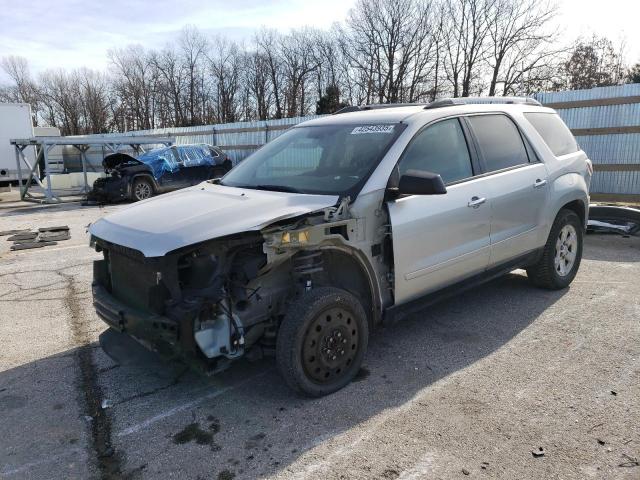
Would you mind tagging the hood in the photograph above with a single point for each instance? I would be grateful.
(204, 212)
(112, 161)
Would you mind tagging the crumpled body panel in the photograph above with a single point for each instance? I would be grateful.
(204, 212)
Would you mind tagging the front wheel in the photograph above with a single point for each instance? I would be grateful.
(562, 253)
(141, 189)
(322, 341)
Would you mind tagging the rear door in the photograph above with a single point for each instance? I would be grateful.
(440, 239)
(196, 164)
(518, 186)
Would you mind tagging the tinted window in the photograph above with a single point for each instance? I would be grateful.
(500, 142)
(554, 132)
(441, 149)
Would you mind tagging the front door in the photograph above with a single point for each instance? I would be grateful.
(440, 239)
(177, 177)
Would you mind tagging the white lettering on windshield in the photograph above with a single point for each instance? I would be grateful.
(372, 129)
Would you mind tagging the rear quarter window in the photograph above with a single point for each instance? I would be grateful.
(554, 132)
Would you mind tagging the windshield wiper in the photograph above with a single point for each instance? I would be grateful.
(273, 188)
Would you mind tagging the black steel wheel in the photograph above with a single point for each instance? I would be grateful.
(322, 341)
(141, 189)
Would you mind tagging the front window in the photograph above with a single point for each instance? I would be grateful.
(440, 148)
(332, 159)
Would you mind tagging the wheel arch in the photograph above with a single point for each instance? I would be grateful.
(579, 208)
(346, 269)
(147, 176)
(570, 191)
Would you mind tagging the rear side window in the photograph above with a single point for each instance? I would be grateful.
(554, 132)
(441, 149)
(500, 142)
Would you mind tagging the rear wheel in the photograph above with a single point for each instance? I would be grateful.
(322, 341)
(141, 189)
(562, 253)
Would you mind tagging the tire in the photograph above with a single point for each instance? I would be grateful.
(141, 189)
(309, 351)
(562, 253)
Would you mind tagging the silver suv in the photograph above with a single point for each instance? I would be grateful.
(341, 224)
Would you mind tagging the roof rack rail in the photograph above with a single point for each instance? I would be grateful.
(376, 106)
(347, 109)
(450, 102)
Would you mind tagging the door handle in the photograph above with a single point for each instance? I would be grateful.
(476, 202)
(539, 183)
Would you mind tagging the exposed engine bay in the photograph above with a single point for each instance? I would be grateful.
(216, 301)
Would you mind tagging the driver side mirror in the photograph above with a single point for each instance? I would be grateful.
(420, 182)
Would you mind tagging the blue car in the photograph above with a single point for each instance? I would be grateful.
(158, 171)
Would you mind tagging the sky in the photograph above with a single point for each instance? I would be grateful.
(75, 33)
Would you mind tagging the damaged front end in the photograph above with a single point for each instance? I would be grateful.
(182, 304)
(221, 299)
(115, 185)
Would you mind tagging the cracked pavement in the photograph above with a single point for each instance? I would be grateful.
(467, 388)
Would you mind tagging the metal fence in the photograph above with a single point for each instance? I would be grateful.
(606, 123)
(238, 139)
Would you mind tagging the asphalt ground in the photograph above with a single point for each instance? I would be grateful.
(468, 388)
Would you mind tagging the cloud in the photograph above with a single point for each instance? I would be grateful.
(72, 33)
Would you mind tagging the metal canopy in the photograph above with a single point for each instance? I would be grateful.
(43, 146)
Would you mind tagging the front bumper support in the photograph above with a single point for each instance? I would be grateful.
(154, 331)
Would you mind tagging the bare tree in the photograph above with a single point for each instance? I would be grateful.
(135, 84)
(61, 93)
(267, 42)
(226, 68)
(24, 89)
(390, 45)
(94, 89)
(172, 82)
(520, 40)
(194, 46)
(386, 51)
(298, 62)
(466, 35)
(258, 83)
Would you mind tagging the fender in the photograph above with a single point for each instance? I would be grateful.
(363, 263)
(565, 189)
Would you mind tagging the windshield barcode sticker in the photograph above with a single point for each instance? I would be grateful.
(372, 129)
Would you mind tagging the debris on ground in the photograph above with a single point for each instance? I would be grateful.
(630, 461)
(30, 245)
(594, 427)
(538, 453)
(12, 232)
(42, 237)
(23, 236)
(613, 219)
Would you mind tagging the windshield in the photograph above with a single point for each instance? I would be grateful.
(332, 159)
